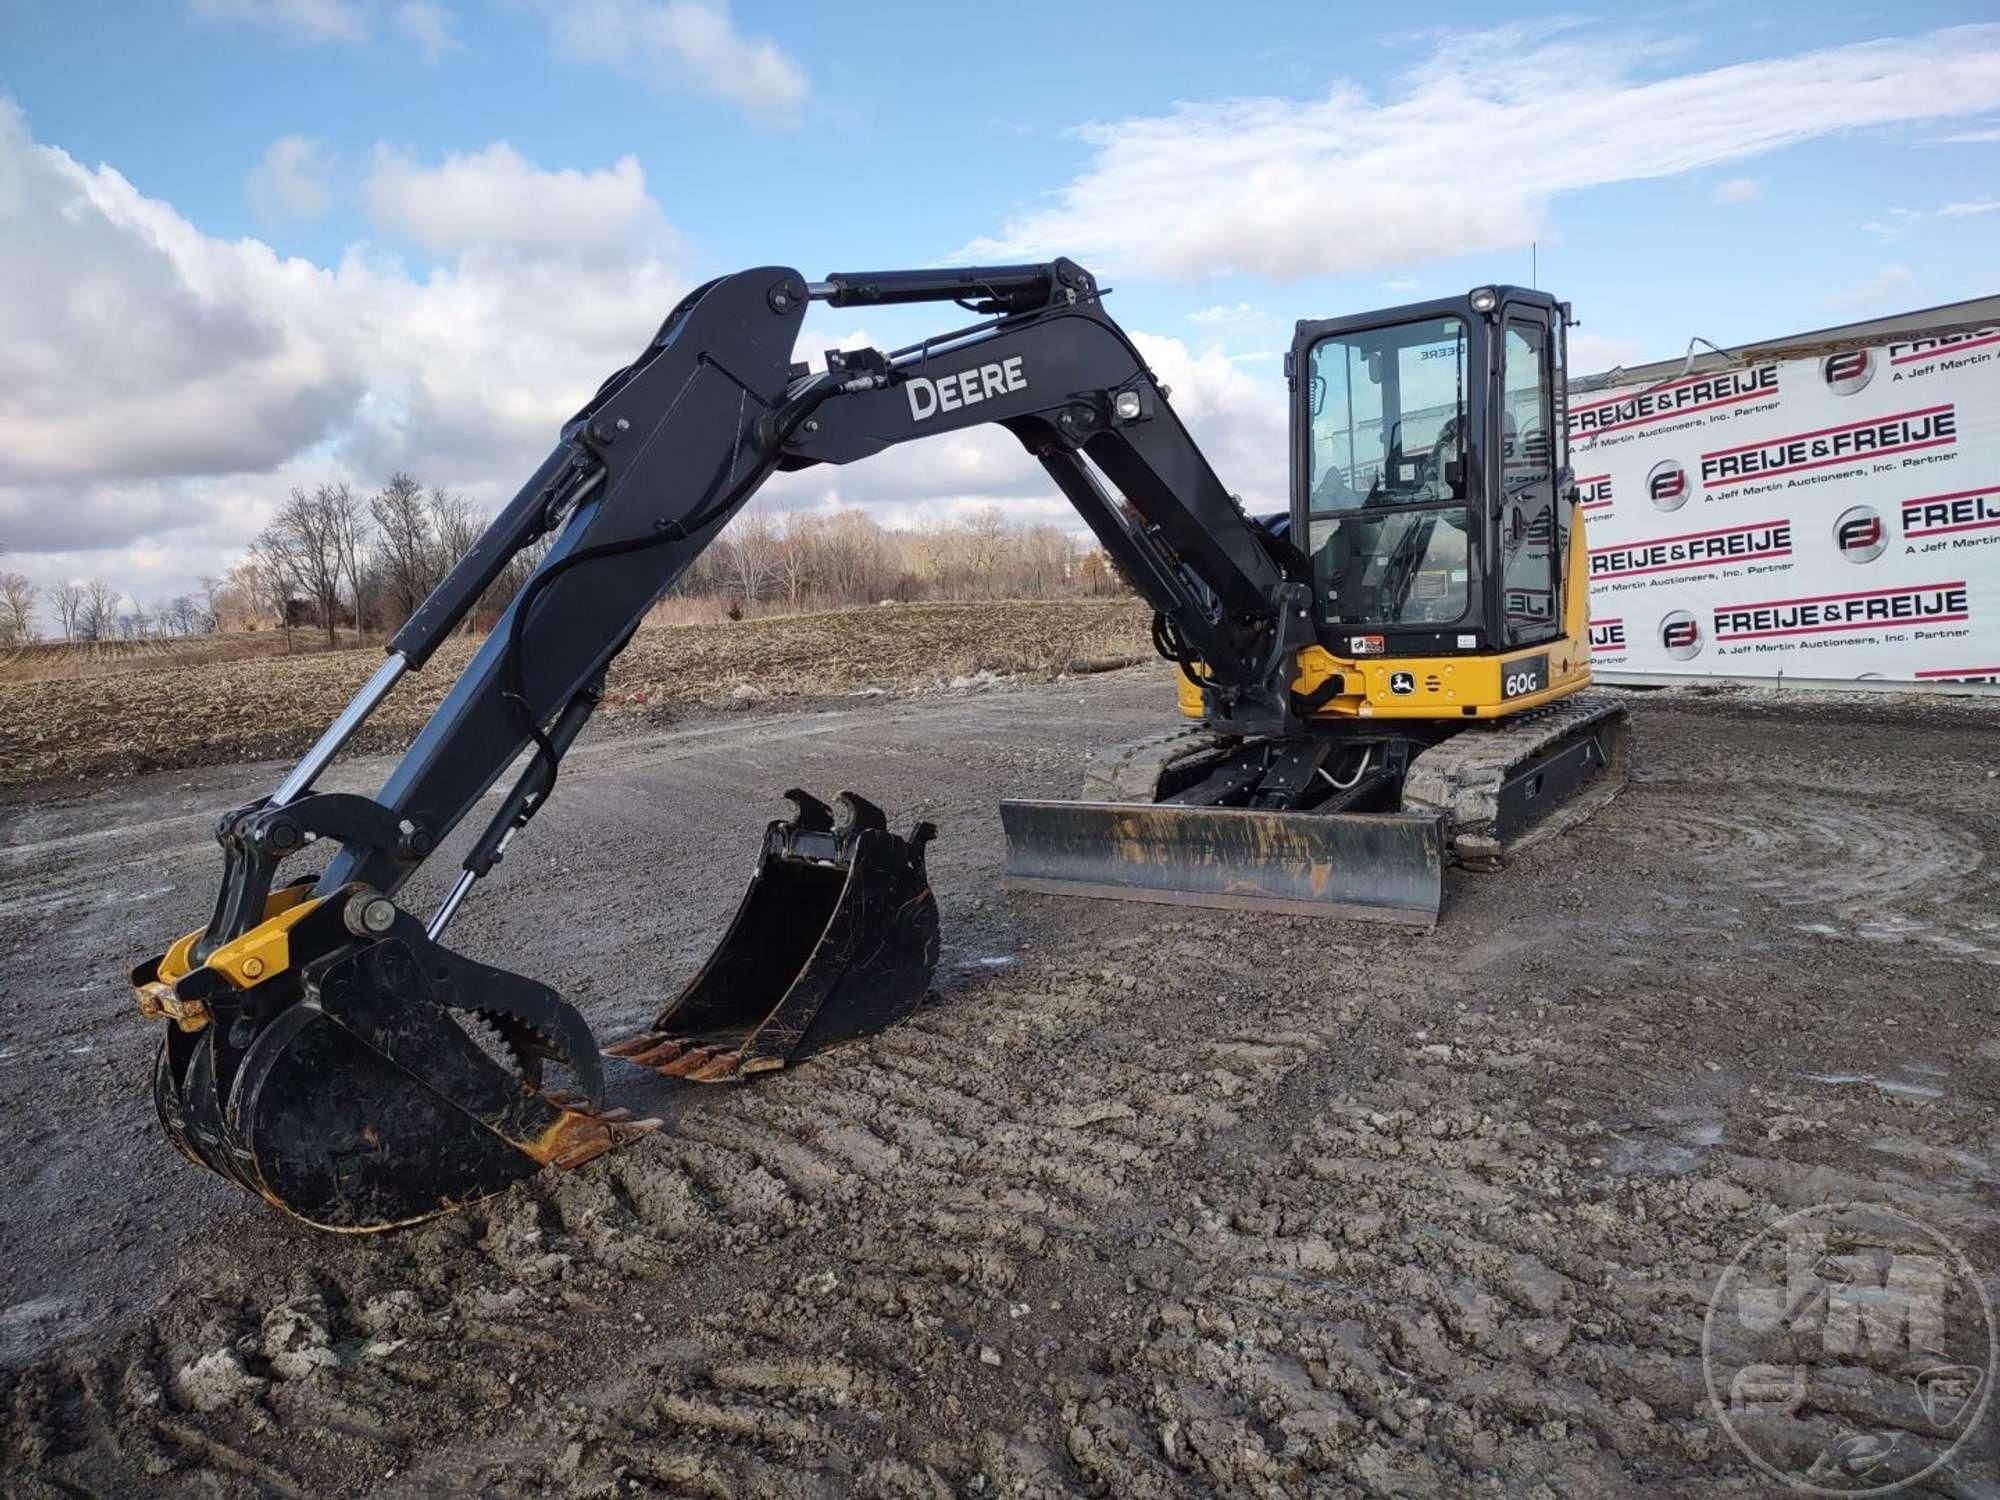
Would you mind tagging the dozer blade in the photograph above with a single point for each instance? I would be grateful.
(836, 938)
(346, 1092)
(1385, 867)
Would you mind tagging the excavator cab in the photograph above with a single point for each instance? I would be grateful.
(1429, 466)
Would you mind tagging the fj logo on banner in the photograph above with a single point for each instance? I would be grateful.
(1680, 635)
(1859, 533)
(1667, 485)
(966, 388)
(1848, 371)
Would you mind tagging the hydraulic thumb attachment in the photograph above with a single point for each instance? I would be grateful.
(343, 1064)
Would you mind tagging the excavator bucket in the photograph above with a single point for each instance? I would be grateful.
(836, 939)
(1377, 866)
(347, 1088)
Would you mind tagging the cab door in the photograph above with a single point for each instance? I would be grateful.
(1526, 533)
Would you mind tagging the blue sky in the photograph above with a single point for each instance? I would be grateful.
(472, 211)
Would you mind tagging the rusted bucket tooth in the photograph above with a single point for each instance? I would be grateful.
(836, 939)
(346, 1092)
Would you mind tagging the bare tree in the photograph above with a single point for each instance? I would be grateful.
(348, 517)
(793, 561)
(97, 619)
(211, 601)
(405, 545)
(304, 537)
(67, 596)
(18, 598)
(265, 577)
(753, 553)
(456, 526)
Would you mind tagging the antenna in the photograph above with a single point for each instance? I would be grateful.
(1534, 263)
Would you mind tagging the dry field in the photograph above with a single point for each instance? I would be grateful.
(203, 704)
(63, 661)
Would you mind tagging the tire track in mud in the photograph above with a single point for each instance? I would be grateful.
(931, 1180)
(1214, 1206)
(1801, 846)
(1481, 1260)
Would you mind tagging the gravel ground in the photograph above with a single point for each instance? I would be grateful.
(1145, 1202)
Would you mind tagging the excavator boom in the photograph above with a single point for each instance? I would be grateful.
(439, 1060)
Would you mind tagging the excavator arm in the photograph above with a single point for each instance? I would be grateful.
(321, 1042)
(649, 472)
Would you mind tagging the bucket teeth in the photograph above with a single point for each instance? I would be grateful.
(583, 1134)
(677, 1057)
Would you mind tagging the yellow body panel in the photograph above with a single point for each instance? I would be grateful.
(263, 951)
(1467, 686)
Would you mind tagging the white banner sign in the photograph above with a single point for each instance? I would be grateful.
(1831, 517)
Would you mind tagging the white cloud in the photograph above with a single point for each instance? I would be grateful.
(1901, 223)
(1874, 293)
(1228, 314)
(693, 40)
(1738, 190)
(429, 27)
(165, 387)
(1403, 284)
(1466, 153)
(290, 181)
(307, 20)
(496, 197)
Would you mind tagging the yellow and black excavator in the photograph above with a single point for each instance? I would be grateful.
(1386, 679)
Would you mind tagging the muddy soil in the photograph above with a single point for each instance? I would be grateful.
(1143, 1202)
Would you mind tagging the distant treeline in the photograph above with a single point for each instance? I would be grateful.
(334, 559)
